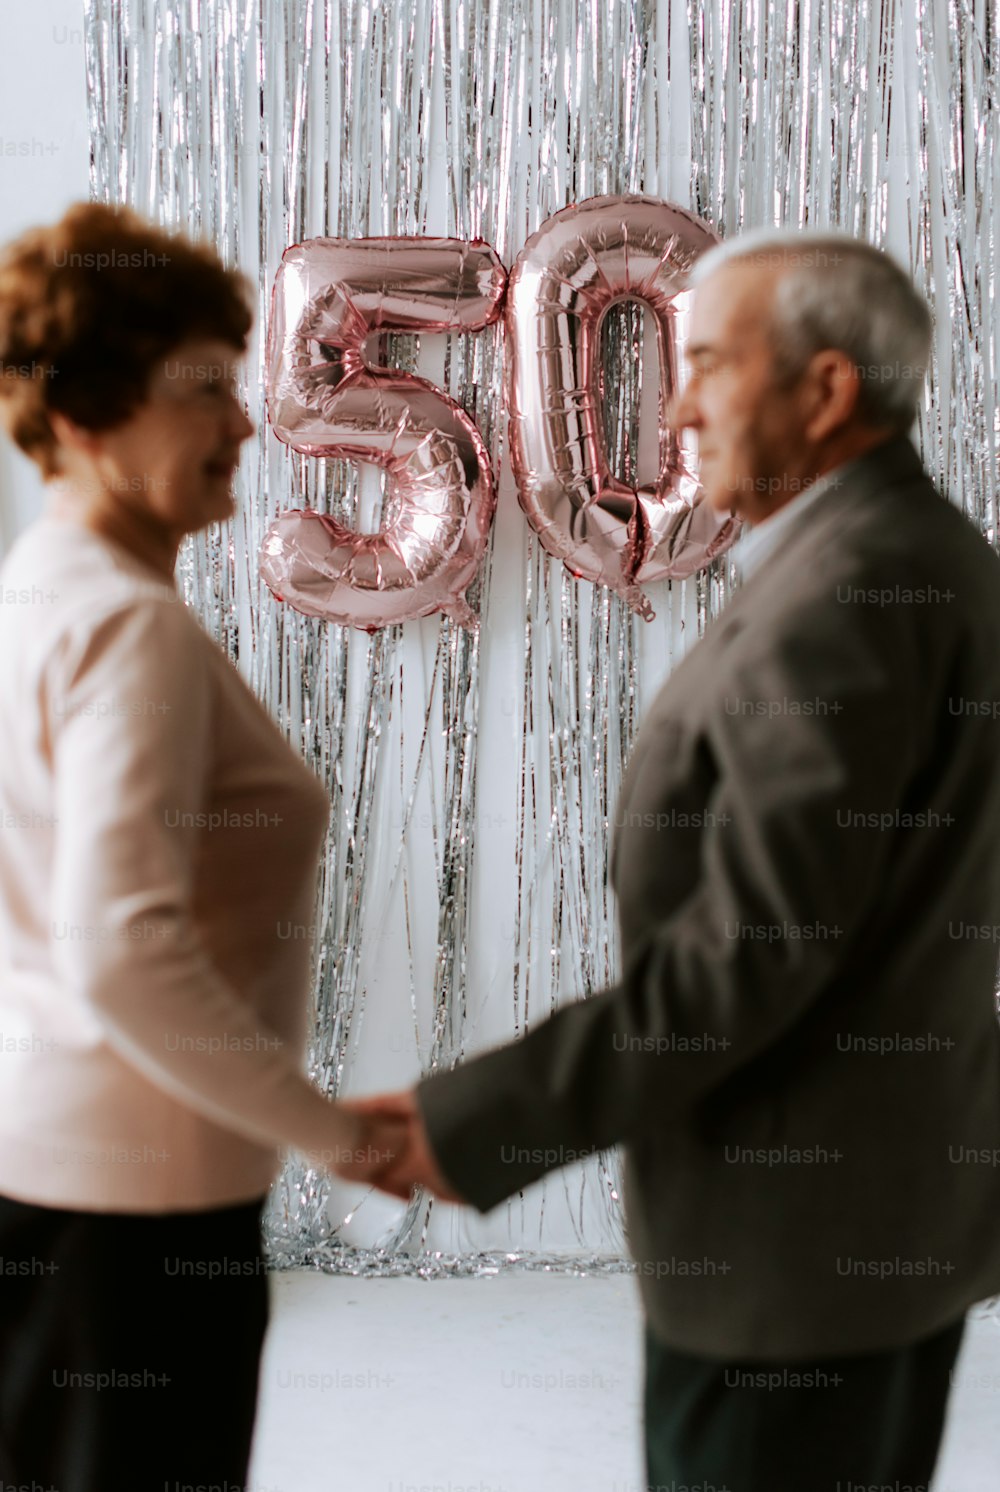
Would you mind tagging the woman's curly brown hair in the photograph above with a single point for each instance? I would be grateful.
(89, 305)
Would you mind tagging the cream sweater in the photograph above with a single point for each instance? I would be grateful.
(158, 858)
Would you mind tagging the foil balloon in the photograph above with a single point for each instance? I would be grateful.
(581, 261)
(326, 397)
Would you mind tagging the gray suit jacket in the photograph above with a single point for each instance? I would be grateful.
(802, 1058)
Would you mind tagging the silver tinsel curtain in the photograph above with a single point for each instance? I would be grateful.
(473, 779)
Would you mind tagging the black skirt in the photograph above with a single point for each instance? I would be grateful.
(130, 1347)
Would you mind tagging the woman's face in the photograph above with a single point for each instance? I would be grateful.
(175, 457)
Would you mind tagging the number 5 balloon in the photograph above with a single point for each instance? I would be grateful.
(325, 398)
(581, 261)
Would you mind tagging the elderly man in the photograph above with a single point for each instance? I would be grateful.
(802, 1057)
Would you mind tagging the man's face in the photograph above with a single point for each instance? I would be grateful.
(751, 442)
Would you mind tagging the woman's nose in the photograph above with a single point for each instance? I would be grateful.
(242, 425)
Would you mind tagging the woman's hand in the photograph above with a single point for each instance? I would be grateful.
(394, 1152)
(367, 1145)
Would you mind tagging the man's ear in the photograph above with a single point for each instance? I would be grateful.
(834, 384)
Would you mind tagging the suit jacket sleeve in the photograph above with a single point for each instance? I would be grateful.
(785, 850)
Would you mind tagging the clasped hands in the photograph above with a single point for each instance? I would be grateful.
(390, 1147)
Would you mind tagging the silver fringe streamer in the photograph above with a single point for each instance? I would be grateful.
(496, 760)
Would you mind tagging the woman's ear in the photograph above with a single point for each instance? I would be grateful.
(71, 435)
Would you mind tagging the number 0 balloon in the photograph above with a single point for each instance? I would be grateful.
(580, 262)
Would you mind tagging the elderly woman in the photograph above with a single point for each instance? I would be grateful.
(158, 832)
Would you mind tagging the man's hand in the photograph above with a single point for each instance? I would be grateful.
(367, 1145)
(395, 1127)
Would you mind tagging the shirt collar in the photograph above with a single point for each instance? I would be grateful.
(759, 540)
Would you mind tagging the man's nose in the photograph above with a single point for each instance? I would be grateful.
(680, 410)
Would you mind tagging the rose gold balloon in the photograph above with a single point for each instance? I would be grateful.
(580, 262)
(326, 398)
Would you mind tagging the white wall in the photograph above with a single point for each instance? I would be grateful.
(44, 166)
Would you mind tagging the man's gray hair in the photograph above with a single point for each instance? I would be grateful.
(840, 292)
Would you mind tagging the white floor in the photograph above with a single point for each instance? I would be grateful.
(520, 1383)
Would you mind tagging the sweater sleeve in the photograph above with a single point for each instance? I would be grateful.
(130, 717)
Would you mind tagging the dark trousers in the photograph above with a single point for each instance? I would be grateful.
(823, 1426)
(129, 1347)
